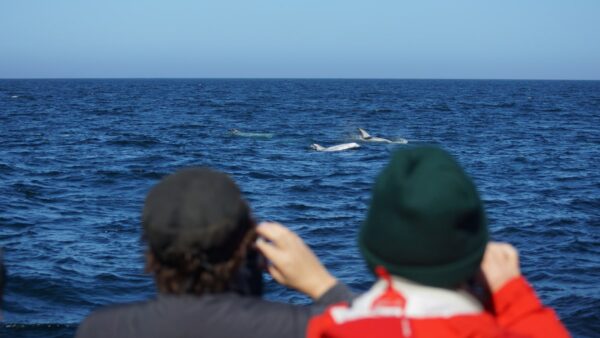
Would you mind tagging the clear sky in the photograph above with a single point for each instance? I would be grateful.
(508, 39)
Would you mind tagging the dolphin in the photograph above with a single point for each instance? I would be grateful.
(364, 136)
(339, 147)
(236, 132)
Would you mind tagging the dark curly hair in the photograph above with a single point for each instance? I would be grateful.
(195, 275)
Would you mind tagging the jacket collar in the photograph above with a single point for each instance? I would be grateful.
(424, 301)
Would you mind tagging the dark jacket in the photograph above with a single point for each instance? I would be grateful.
(227, 315)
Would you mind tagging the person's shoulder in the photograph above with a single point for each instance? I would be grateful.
(238, 305)
(262, 317)
(119, 309)
(184, 316)
(108, 318)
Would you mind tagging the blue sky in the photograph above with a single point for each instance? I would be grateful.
(525, 39)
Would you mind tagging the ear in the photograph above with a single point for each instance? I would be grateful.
(150, 265)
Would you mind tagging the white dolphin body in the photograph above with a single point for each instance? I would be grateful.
(364, 136)
(339, 147)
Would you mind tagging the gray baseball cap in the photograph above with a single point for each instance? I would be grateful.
(197, 212)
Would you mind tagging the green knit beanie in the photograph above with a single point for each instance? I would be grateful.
(426, 221)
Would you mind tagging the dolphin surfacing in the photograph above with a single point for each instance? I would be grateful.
(339, 147)
(236, 132)
(366, 137)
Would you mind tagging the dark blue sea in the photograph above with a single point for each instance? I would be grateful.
(78, 156)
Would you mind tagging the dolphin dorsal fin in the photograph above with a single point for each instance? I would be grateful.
(364, 134)
(317, 147)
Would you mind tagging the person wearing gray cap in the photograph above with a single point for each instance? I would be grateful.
(208, 272)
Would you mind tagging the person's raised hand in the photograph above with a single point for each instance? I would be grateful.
(500, 264)
(293, 263)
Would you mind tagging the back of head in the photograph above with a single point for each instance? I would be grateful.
(198, 228)
(426, 221)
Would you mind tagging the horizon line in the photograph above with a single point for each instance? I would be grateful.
(293, 78)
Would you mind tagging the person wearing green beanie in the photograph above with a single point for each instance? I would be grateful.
(426, 221)
(426, 238)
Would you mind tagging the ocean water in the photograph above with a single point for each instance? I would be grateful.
(78, 156)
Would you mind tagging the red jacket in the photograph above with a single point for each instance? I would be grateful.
(412, 310)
